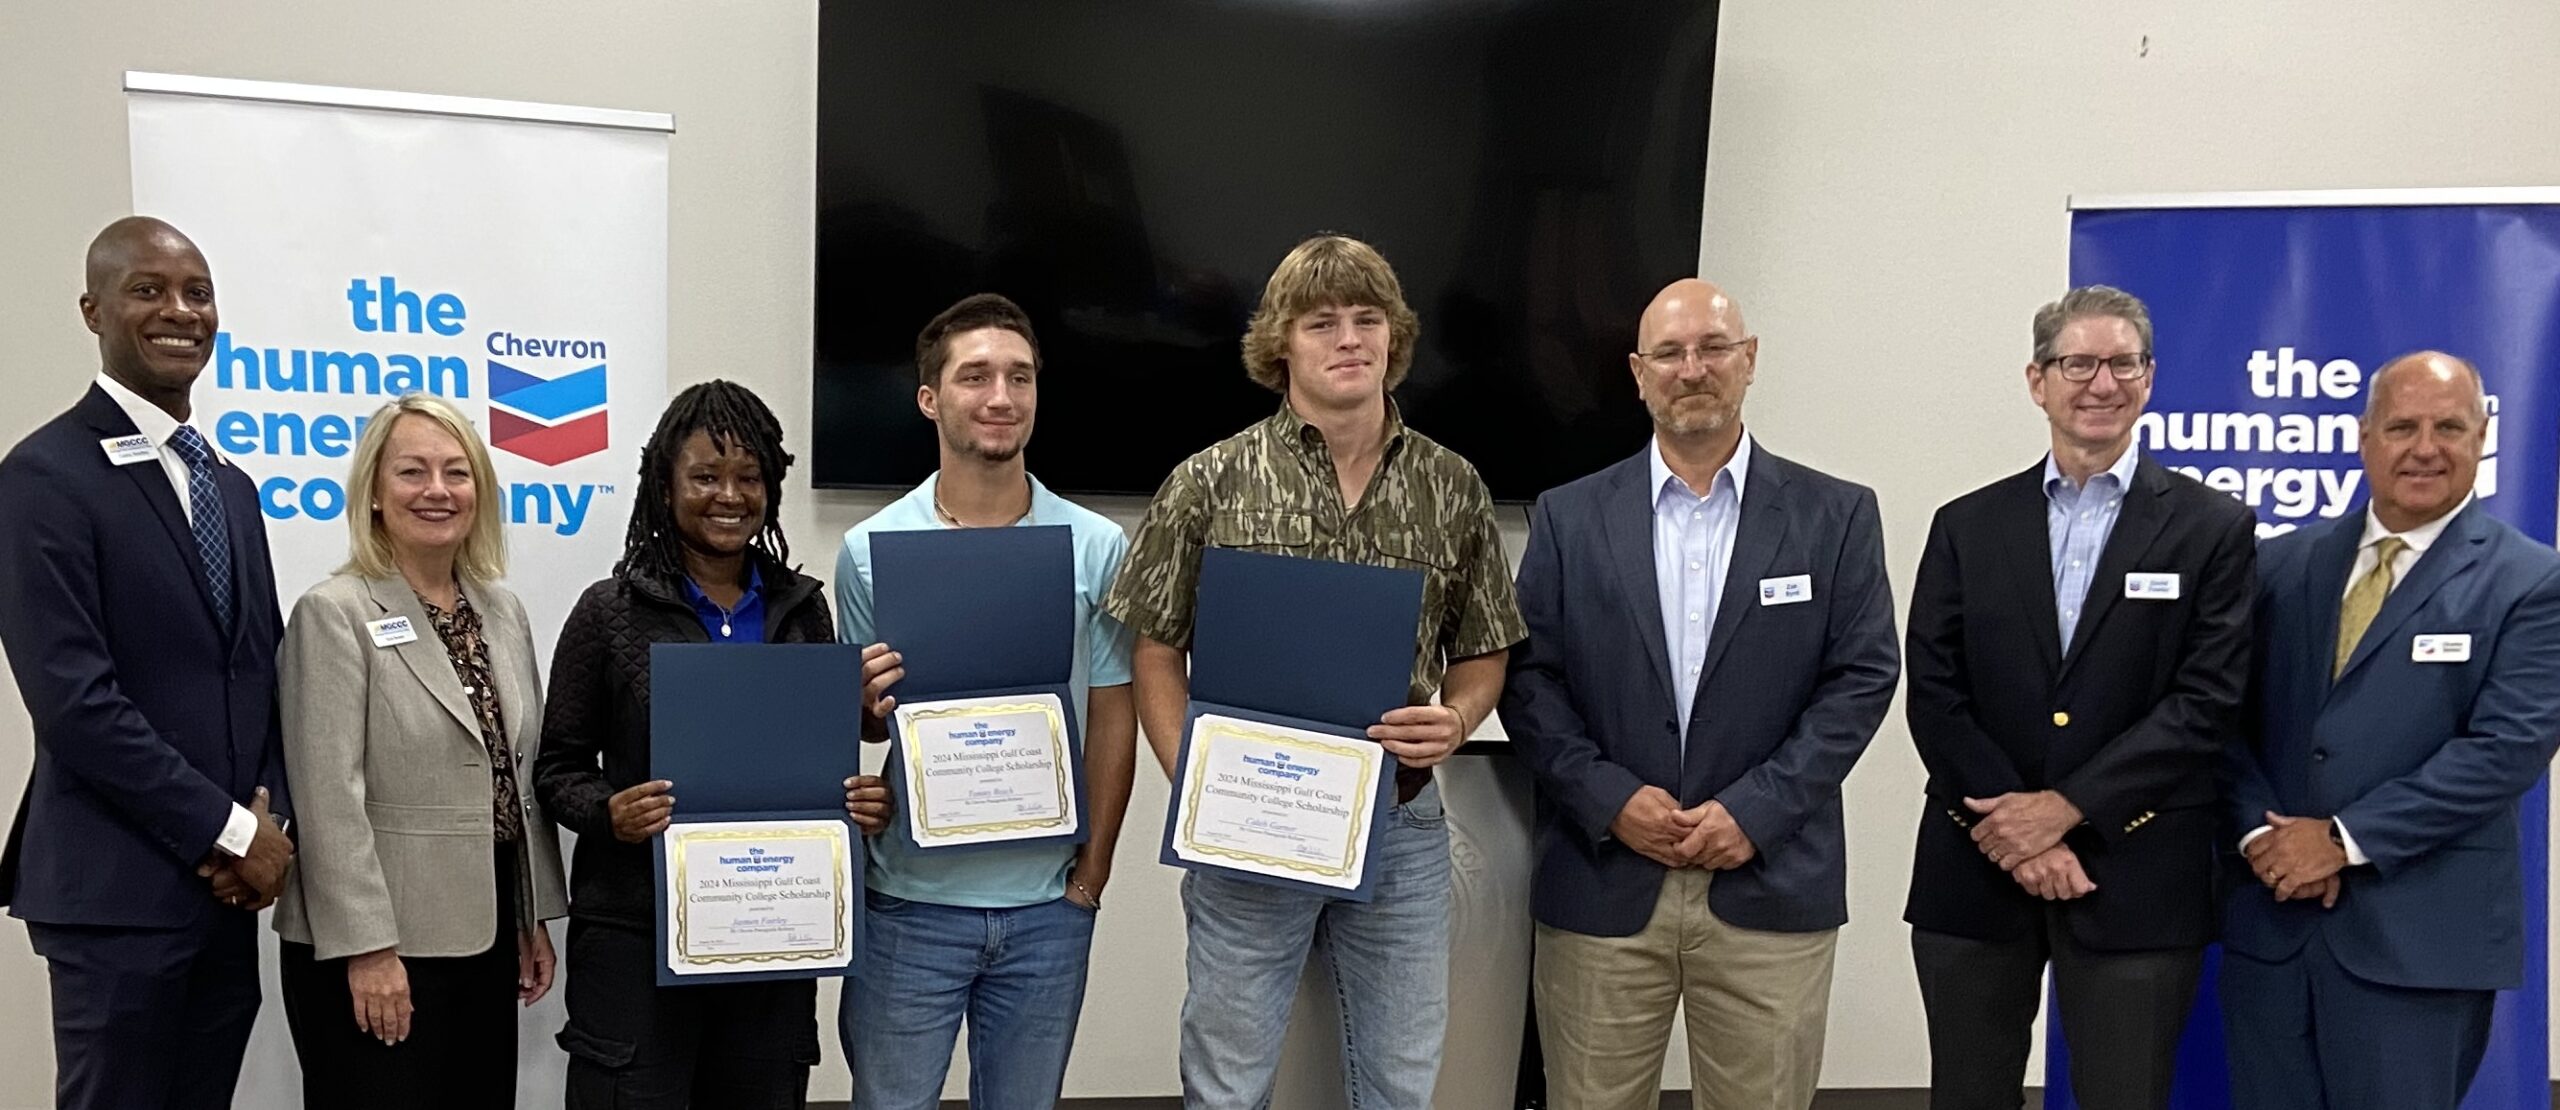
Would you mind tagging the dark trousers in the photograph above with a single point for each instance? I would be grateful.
(461, 1048)
(2121, 1011)
(150, 1019)
(2306, 1034)
(634, 1045)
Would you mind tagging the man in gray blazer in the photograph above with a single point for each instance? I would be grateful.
(1711, 647)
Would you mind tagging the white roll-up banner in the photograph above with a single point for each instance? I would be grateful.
(365, 244)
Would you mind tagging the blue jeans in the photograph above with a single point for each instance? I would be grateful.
(1016, 974)
(1390, 961)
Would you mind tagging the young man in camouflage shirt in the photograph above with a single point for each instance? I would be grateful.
(1334, 474)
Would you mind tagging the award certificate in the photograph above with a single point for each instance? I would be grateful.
(1277, 801)
(986, 770)
(759, 896)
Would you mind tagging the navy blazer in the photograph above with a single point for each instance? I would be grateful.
(1788, 699)
(2422, 762)
(149, 720)
(2128, 720)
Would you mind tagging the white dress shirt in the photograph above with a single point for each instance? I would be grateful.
(159, 427)
(1692, 549)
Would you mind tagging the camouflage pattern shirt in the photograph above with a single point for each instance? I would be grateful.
(1271, 488)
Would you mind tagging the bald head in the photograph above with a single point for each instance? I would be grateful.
(2425, 427)
(121, 243)
(150, 302)
(2434, 368)
(1693, 364)
(1683, 301)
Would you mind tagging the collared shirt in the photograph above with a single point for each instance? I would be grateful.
(2077, 522)
(1008, 875)
(241, 828)
(2417, 539)
(459, 630)
(159, 427)
(1272, 488)
(1692, 549)
(742, 624)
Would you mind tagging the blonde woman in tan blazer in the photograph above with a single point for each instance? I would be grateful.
(413, 922)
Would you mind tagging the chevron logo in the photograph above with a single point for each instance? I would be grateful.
(546, 420)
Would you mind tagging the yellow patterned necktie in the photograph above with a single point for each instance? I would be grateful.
(2364, 600)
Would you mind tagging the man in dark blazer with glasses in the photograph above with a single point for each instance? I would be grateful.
(2077, 652)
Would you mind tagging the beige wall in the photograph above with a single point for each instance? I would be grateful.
(1886, 197)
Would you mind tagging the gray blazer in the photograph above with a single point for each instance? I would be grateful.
(395, 832)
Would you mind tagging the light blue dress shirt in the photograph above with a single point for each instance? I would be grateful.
(2077, 522)
(995, 877)
(1692, 550)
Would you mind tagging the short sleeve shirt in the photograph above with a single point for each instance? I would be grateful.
(1271, 488)
(1003, 876)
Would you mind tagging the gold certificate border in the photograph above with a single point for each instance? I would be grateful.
(838, 847)
(1211, 731)
(923, 825)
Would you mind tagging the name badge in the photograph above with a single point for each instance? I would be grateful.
(391, 631)
(1786, 591)
(128, 450)
(2441, 647)
(2141, 586)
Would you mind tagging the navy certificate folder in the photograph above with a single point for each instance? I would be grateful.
(1321, 646)
(981, 612)
(754, 732)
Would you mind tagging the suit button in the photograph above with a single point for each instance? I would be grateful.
(2061, 719)
(2319, 754)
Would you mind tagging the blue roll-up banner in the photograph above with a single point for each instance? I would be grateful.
(2271, 311)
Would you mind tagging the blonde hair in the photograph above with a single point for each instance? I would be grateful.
(1327, 271)
(483, 557)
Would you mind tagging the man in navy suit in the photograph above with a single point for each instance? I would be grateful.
(138, 611)
(2408, 694)
(1710, 649)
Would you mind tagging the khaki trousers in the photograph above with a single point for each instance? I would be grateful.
(1755, 1002)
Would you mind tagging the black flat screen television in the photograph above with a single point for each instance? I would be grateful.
(1131, 170)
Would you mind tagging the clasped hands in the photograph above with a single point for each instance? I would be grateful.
(2296, 858)
(1704, 835)
(252, 881)
(2022, 834)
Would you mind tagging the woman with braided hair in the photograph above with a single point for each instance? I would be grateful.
(705, 561)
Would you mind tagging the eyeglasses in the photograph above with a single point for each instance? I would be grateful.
(1707, 354)
(2081, 368)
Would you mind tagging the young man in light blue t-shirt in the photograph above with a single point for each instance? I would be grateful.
(998, 935)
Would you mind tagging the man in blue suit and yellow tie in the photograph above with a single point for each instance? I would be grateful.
(2408, 695)
(138, 610)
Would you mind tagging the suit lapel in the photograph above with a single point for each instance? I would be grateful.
(1627, 519)
(2453, 552)
(516, 700)
(2025, 548)
(246, 523)
(424, 654)
(1756, 539)
(2138, 524)
(105, 418)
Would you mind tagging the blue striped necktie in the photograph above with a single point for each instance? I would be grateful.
(213, 532)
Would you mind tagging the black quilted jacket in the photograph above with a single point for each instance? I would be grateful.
(598, 712)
